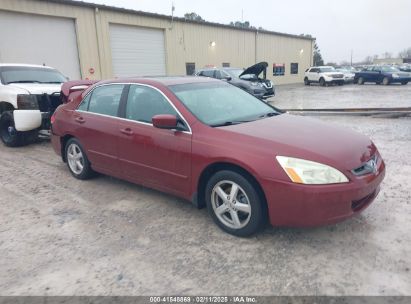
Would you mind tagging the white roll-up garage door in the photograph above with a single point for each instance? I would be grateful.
(137, 51)
(35, 39)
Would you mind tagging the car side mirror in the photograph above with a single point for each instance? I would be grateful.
(227, 78)
(165, 121)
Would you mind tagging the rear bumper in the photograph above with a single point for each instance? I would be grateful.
(56, 143)
(297, 205)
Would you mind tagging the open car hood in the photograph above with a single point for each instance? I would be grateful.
(255, 69)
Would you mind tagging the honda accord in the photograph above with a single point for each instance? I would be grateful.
(216, 145)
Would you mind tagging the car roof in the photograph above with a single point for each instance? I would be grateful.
(25, 65)
(162, 80)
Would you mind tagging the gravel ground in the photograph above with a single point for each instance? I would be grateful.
(62, 236)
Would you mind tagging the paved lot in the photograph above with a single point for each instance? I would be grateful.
(347, 96)
(61, 236)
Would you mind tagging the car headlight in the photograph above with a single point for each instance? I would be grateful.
(254, 83)
(308, 172)
(395, 75)
(27, 102)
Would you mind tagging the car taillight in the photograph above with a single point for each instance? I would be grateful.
(27, 102)
(53, 118)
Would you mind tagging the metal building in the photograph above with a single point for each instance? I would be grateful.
(95, 41)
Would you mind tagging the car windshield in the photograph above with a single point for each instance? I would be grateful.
(235, 73)
(389, 69)
(327, 70)
(18, 74)
(218, 104)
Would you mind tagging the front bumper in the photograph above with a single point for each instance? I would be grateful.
(263, 94)
(27, 120)
(333, 80)
(400, 79)
(297, 205)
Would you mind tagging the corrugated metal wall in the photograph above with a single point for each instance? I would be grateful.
(185, 42)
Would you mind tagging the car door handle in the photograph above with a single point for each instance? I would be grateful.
(80, 119)
(127, 131)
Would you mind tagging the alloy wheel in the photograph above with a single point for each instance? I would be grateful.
(231, 204)
(75, 158)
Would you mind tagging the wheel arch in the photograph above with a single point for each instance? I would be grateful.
(6, 106)
(63, 141)
(220, 166)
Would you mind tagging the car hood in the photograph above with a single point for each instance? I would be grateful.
(38, 88)
(255, 69)
(307, 138)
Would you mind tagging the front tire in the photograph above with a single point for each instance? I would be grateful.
(386, 81)
(322, 82)
(360, 81)
(235, 204)
(404, 82)
(9, 135)
(77, 160)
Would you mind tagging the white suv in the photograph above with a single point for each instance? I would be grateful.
(323, 75)
(29, 94)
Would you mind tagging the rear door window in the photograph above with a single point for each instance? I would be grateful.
(104, 100)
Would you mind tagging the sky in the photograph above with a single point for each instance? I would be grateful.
(365, 27)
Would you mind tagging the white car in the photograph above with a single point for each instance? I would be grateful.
(29, 94)
(348, 74)
(323, 75)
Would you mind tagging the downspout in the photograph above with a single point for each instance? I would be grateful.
(96, 15)
(256, 46)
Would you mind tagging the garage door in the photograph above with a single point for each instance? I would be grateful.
(35, 39)
(137, 51)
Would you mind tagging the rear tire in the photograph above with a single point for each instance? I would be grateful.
(360, 81)
(9, 135)
(404, 82)
(306, 81)
(386, 81)
(77, 160)
(239, 212)
(322, 82)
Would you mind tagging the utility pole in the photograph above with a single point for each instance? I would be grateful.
(351, 57)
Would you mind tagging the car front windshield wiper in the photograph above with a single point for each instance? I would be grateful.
(24, 81)
(58, 82)
(229, 123)
(269, 114)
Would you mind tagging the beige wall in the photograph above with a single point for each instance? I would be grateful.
(185, 42)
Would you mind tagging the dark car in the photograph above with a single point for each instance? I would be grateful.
(216, 145)
(382, 75)
(247, 79)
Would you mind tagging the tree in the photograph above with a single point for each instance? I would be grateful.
(245, 24)
(193, 16)
(317, 57)
(405, 53)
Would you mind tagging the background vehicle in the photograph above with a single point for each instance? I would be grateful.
(349, 74)
(382, 75)
(216, 145)
(247, 79)
(323, 75)
(29, 94)
(405, 68)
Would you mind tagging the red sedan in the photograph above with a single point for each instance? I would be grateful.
(218, 146)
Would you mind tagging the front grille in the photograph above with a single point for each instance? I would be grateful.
(48, 103)
(371, 166)
(337, 76)
(361, 203)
